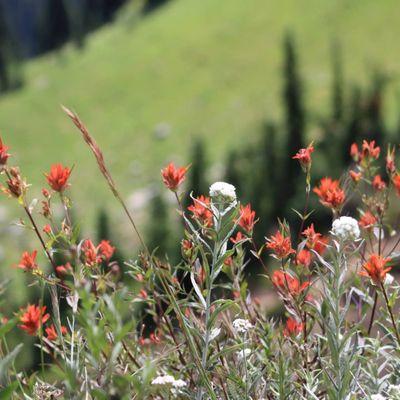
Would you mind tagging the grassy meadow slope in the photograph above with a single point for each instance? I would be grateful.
(209, 68)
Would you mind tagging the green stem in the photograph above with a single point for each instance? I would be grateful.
(389, 308)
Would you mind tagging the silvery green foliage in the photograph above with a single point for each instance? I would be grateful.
(341, 367)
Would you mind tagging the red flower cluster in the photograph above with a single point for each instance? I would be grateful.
(315, 240)
(58, 177)
(368, 150)
(390, 161)
(33, 317)
(63, 270)
(355, 176)
(396, 183)
(247, 218)
(28, 261)
(293, 328)
(51, 332)
(304, 157)
(3, 154)
(95, 255)
(375, 268)
(378, 183)
(201, 211)
(303, 258)
(367, 220)
(330, 194)
(280, 245)
(173, 177)
(285, 282)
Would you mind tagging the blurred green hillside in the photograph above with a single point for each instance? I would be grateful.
(146, 86)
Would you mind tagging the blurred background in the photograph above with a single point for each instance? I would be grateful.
(233, 87)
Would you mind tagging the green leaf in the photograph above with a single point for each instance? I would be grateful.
(7, 361)
(7, 393)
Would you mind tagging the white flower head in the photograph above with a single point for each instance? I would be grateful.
(394, 390)
(214, 333)
(241, 325)
(163, 380)
(243, 354)
(223, 192)
(378, 397)
(388, 279)
(179, 383)
(346, 228)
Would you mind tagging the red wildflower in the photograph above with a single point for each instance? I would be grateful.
(63, 270)
(390, 161)
(47, 229)
(58, 177)
(355, 176)
(143, 294)
(3, 154)
(354, 152)
(303, 258)
(293, 328)
(312, 236)
(33, 318)
(89, 252)
(45, 193)
(105, 250)
(370, 150)
(304, 157)
(320, 245)
(51, 332)
(28, 261)
(154, 338)
(228, 262)
(285, 282)
(201, 211)
(173, 177)
(280, 245)
(16, 186)
(375, 269)
(246, 219)
(396, 183)
(378, 183)
(330, 194)
(367, 220)
(239, 237)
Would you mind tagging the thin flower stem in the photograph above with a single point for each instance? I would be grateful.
(371, 320)
(40, 238)
(41, 326)
(389, 308)
(303, 219)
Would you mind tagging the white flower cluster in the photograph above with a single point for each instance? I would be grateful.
(168, 380)
(241, 325)
(378, 397)
(346, 228)
(214, 333)
(242, 354)
(222, 191)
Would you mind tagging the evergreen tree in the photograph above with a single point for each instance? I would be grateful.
(295, 120)
(354, 124)
(337, 84)
(158, 228)
(103, 226)
(53, 25)
(151, 5)
(232, 173)
(196, 182)
(265, 198)
(374, 110)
